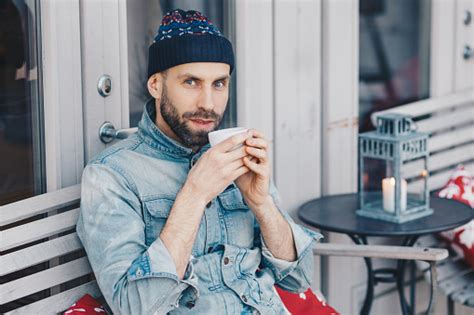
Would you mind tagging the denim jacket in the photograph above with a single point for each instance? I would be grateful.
(127, 193)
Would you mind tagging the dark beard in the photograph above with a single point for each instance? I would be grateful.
(189, 138)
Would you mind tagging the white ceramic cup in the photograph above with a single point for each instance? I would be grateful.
(218, 136)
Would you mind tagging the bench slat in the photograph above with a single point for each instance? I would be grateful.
(452, 268)
(25, 286)
(429, 240)
(441, 160)
(59, 302)
(452, 138)
(447, 120)
(431, 105)
(25, 208)
(39, 229)
(457, 282)
(39, 253)
(438, 180)
(465, 296)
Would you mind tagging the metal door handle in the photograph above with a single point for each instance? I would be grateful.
(467, 52)
(107, 132)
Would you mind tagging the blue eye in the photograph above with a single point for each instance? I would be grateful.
(219, 84)
(190, 82)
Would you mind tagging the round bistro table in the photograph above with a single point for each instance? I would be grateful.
(337, 213)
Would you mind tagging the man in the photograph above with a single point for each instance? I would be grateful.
(173, 226)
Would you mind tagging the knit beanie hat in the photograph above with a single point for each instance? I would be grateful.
(188, 36)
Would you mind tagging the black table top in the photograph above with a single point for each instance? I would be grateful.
(337, 213)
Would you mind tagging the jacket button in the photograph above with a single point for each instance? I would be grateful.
(244, 298)
(190, 304)
(226, 260)
(209, 204)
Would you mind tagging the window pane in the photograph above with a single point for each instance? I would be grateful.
(141, 35)
(21, 130)
(394, 39)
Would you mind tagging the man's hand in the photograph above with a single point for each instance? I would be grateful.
(254, 185)
(218, 168)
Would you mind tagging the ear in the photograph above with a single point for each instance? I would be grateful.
(155, 85)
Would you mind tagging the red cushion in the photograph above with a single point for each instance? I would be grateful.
(296, 304)
(86, 305)
(304, 303)
(461, 187)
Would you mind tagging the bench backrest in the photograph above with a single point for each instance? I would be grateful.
(450, 121)
(42, 255)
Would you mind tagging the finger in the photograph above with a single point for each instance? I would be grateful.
(235, 154)
(233, 166)
(240, 171)
(232, 142)
(257, 134)
(255, 167)
(254, 159)
(257, 143)
(258, 153)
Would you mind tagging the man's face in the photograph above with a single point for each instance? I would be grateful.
(193, 100)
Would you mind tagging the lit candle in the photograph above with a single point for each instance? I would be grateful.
(388, 189)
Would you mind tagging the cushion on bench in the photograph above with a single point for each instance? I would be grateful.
(86, 305)
(460, 187)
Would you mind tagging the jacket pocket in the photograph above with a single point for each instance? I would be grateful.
(156, 212)
(238, 218)
(159, 208)
(231, 199)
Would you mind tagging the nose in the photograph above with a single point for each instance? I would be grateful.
(206, 101)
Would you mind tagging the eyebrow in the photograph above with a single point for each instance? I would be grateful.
(189, 75)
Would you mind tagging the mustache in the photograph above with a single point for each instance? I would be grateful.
(202, 114)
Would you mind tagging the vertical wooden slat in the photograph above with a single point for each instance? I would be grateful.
(297, 43)
(254, 25)
(340, 112)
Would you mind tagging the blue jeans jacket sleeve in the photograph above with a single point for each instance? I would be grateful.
(134, 278)
(295, 276)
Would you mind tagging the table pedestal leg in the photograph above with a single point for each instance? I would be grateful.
(389, 275)
(401, 264)
(413, 287)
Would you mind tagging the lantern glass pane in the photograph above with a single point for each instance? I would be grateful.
(416, 175)
(375, 170)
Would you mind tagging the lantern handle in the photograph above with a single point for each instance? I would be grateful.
(412, 123)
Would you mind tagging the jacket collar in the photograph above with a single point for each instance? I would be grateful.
(154, 137)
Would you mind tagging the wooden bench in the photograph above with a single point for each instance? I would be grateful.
(450, 121)
(45, 269)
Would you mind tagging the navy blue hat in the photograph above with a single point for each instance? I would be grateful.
(188, 36)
